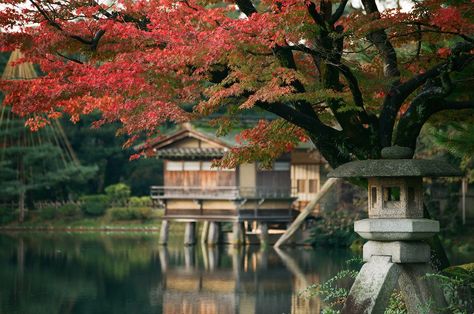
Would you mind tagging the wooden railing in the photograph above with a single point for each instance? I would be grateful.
(219, 192)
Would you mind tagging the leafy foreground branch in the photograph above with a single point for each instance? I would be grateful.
(457, 283)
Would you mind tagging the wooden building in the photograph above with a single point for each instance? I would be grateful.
(193, 190)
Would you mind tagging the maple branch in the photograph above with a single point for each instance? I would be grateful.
(382, 43)
(330, 142)
(420, 110)
(399, 92)
(353, 84)
(69, 58)
(339, 11)
(313, 12)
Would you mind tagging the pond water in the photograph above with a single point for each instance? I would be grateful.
(117, 273)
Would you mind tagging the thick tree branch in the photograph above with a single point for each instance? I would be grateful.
(382, 43)
(330, 142)
(421, 109)
(313, 12)
(339, 11)
(399, 92)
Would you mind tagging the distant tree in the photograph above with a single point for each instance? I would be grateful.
(34, 165)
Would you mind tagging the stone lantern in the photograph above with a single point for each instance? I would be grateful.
(395, 230)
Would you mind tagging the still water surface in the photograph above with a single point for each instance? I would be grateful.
(98, 273)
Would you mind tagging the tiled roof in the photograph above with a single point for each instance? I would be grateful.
(190, 152)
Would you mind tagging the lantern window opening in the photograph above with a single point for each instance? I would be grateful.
(373, 196)
(391, 194)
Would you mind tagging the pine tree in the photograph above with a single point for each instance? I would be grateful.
(36, 163)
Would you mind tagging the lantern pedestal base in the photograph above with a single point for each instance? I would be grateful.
(375, 282)
(398, 251)
(394, 229)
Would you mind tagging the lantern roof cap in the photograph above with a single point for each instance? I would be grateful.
(396, 162)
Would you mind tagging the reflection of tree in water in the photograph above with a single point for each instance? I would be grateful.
(70, 274)
(93, 273)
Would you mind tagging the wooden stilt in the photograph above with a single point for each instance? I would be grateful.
(238, 234)
(190, 233)
(205, 232)
(213, 235)
(263, 234)
(163, 240)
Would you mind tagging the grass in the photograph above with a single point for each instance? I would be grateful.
(34, 221)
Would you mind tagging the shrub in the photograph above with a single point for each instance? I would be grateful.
(69, 210)
(142, 201)
(130, 213)
(143, 213)
(48, 213)
(118, 193)
(121, 213)
(94, 205)
(334, 228)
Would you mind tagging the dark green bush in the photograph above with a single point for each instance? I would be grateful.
(142, 201)
(48, 213)
(121, 213)
(131, 213)
(118, 194)
(69, 210)
(334, 228)
(94, 205)
(143, 213)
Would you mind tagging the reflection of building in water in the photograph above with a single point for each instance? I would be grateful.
(246, 283)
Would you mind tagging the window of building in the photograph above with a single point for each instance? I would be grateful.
(192, 166)
(281, 166)
(174, 165)
(207, 166)
(313, 185)
(301, 186)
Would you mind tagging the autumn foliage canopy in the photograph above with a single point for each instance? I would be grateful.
(352, 80)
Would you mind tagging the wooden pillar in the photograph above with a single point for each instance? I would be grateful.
(163, 240)
(205, 232)
(190, 233)
(238, 233)
(213, 235)
(263, 234)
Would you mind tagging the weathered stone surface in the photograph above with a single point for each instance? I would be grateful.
(421, 294)
(399, 251)
(386, 229)
(395, 168)
(410, 197)
(372, 287)
(397, 152)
